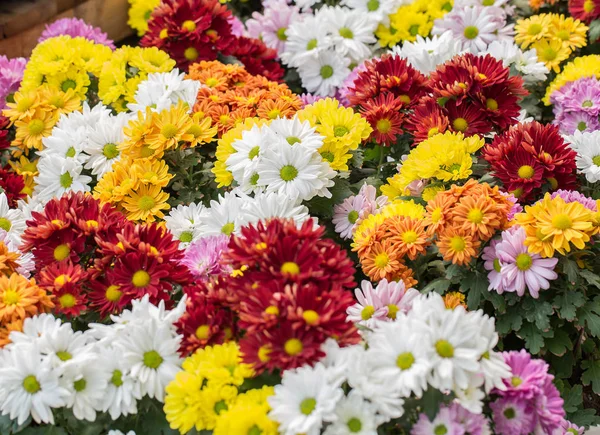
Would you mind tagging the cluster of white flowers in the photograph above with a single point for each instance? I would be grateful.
(425, 54)
(430, 346)
(587, 147)
(524, 63)
(323, 46)
(107, 368)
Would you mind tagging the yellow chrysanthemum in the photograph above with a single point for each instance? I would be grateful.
(445, 157)
(216, 400)
(139, 14)
(169, 127)
(554, 225)
(248, 415)
(572, 32)
(32, 129)
(77, 80)
(223, 177)
(552, 52)
(430, 191)
(220, 364)
(56, 100)
(201, 130)
(27, 169)
(182, 402)
(24, 105)
(154, 172)
(534, 28)
(146, 203)
(584, 66)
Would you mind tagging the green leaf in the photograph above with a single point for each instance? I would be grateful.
(534, 338)
(594, 32)
(439, 285)
(563, 365)
(44, 430)
(475, 285)
(560, 343)
(453, 270)
(585, 417)
(588, 315)
(573, 398)
(570, 269)
(538, 312)
(431, 401)
(590, 277)
(591, 374)
(509, 322)
(567, 303)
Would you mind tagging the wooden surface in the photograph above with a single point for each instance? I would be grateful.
(23, 21)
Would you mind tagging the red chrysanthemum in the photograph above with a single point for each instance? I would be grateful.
(12, 185)
(466, 118)
(4, 139)
(190, 30)
(257, 58)
(584, 10)
(427, 119)
(528, 155)
(58, 274)
(69, 300)
(385, 117)
(65, 245)
(105, 298)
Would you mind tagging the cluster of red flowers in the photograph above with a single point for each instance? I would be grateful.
(530, 157)
(89, 256)
(384, 92)
(469, 94)
(195, 30)
(4, 139)
(288, 293)
(585, 10)
(12, 185)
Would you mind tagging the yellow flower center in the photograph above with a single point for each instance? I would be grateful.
(382, 260)
(596, 160)
(307, 406)
(5, 224)
(67, 300)
(110, 151)
(264, 352)
(61, 252)
(436, 215)
(471, 32)
(404, 98)
(293, 346)
(164, 34)
(311, 317)
(562, 222)
(524, 261)
(202, 332)
(491, 104)
(460, 124)
(113, 293)
(383, 125)
(475, 216)
(549, 53)
(516, 381)
(146, 151)
(11, 297)
(272, 310)
(444, 349)
(57, 102)
(392, 311)
(31, 384)
(36, 127)
(433, 131)
(405, 360)
(588, 6)
(191, 53)
(410, 236)
(146, 203)
(458, 244)
(290, 268)
(61, 280)
(169, 131)
(367, 312)
(188, 25)
(526, 172)
(534, 29)
(141, 278)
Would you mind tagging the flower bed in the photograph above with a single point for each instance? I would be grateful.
(357, 218)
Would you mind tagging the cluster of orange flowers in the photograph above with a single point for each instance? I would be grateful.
(230, 94)
(19, 297)
(464, 217)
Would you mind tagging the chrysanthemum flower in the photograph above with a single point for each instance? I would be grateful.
(21, 298)
(584, 10)
(383, 113)
(457, 246)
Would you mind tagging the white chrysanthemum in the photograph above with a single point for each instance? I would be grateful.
(184, 222)
(247, 152)
(162, 90)
(36, 329)
(84, 118)
(270, 205)
(304, 400)
(65, 347)
(526, 63)
(224, 216)
(425, 54)
(294, 172)
(57, 176)
(397, 358)
(349, 31)
(32, 204)
(67, 144)
(122, 390)
(493, 367)
(324, 72)
(337, 359)
(304, 39)
(29, 386)
(86, 383)
(151, 350)
(103, 140)
(587, 146)
(353, 415)
(376, 10)
(471, 398)
(297, 133)
(12, 220)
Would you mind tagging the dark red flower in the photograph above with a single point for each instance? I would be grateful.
(12, 185)
(4, 139)
(427, 119)
(257, 58)
(105, 298)
(466, 118)
(584, 10)
(57, 274)
(69, 300)
(385, 117)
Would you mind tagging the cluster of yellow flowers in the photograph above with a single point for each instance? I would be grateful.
(125, 69)
(411, 20)
(443, 157)
(139, 14)
(553, 36)
(207, 395)
(135, 184)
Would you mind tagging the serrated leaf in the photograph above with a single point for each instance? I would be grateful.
(594, 32)
(591, 374)
(475, 285)
(509, 322)
(573, 398)
(567, 303)
(588, 316)
(452, 271)
(560, 343)
(534, 338)
(590, 277)
(570, 269)
(539, 313)
(585, 417)
(563, 365)
(439, 285)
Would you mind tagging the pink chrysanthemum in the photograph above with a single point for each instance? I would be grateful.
(272, 24)
(76, 27)
(350, 213)
(444, 422)
(11, 74)
(203, 256)
(574, 196)
(512, 416)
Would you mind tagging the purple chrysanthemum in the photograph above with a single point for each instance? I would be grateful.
(237, 26)
(344, 89)
(76, 27)
(444, 422)
(492, 264)
(549, 406)
(271, 25)
(11, 74)
(512, 416)
(581, 95)
(202, 256)
(528, 375)
(308, 99)
(350, 213)
(473, 424)
(516, 207)
(574, 121)
(519, 268)
(574, 196)
(571, 428)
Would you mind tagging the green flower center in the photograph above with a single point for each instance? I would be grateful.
(326, 71)
(524, 261)
(281, 34)
(307, 406)
(292, 140)
(70, 152)
(414, 29)
(79, 385)
(440, 429)
(581, 126)
(169, 131)
(353, 216)
(254, 179)
(596, 160)
(117, 378)
(562, 222)
(288, 173)
(146, 203)
(354, 425)
(340, 130)
(66, 180)
(372, 5)
(5, 224)
(186, 237)
(534, 29)
(515, 381)
(509, 413)
(497, 266)
(383, 126)
(311, 45)
(110, 151)
(328, 155)
(68, 84)
(67, 300)
(36, 127)
(255, 430)
(587, 103)
(254, 152)
(63, 355)
(152, 359)
(31, 384)
(220, 406)
(345, 32)
(444, 349)
(471, 32)
(228, 228)
(405, 360)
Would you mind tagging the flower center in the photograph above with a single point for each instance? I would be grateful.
(290, 268)
(413, 30)
(63, 355)
(352, 217)
(405, 360)
(117, 378)
(516, 381)
(146, 151)
(307, 406)
(203, 332)
(68, 84)
(152, 359)
(146, 203)
(587, 103)
(471, 32)
(372, 5)
(354, 425)
(311, 45)
(70, 152)
(110, 151)
(66, 180)
(410, 236)
(367, 312)
(588, 6)
(79, 385)
(288, 173)
(293, 346)
(382, 260)
(526, 172)
(475, 216)
(460, 124)
(534, 29)
(188, 25)
(253, 152)
(164, 34)
(11, 297)
(549, 53)
(326, 71)
(228, 228)
(345, 32)
(6, 225)
(328, 156)
(113, 293)
(191, 53)
(581, 125)
(141, 278)
(61, 252)
(383, 125)
(564, 35)
(458, 244)
(254, 179)
(497, 266)
(67, 300)
(169, 131)
(340, 130)
(491, 104)
(272, 310)
(186, 237)
(524, 261)
(263, 353)
(311, 317)
(281, 34)
(31, 384)
(392, 311)
(596, 160)
(440, 429)
(562, 222)
(255, 430)
(444, 349)
(509, 413)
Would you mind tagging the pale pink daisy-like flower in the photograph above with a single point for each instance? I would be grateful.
(237, 26)
(493, 265)
(350, 213)
(520, 268)
(395, 297)
(516, 207)
(444, 422)
(272, 24)
(75, 27)
(308, 99)
(203, 256)
(369, 307)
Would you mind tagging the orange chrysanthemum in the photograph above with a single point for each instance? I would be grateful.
(381, 262)
(21, 298)
(6, 329)
(408, 236)
(8, 260)
(457, 246)
(454, 299)
(477, 216)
